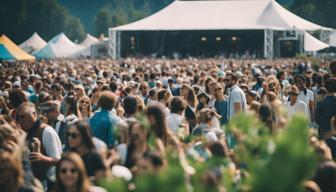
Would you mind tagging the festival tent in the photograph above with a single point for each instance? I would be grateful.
(311, 44)
(332, 39)
(58, 47)
(221, 15)
(4, 53)
(15, 50)
(87, 43)
(35, 42)
(89, 40)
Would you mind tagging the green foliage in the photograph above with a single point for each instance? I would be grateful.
(292, 161)
(19, 19)
(103, 21)
(75, 29)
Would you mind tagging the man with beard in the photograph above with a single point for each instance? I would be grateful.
(237, 100)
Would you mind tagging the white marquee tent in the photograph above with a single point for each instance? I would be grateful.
(34, 43)
(58, 47)
(311, 44)
(267, 15)
(89, 40)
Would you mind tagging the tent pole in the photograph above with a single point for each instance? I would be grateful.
(268, 44)
(114, 43)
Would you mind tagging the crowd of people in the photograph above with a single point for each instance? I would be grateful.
(67, 124)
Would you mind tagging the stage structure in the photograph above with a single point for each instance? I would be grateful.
(262, 28)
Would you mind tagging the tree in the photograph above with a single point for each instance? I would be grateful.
(103, 21)
(75, 29)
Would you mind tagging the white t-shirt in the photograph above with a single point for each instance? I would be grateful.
(236, 95)
(298, 107)
(306, 98)
(174, 122)
(53, 148)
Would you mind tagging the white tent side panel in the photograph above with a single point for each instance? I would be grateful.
(311, 44)
(35, 42)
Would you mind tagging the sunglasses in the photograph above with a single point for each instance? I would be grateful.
(218, 89)
(87, 102)
(72, 135)
(72, 171)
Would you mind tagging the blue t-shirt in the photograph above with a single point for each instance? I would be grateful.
(221, 108)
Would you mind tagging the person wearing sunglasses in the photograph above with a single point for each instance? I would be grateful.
(84, 108)
(295, 105)
(221, 103)
(71, 175)
(81, 141)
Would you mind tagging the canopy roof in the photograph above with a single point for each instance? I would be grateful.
(311, 44)
(35, 42)
(15, 50)
(4, 53)
(222, 15)
(89, 40)
(59, 46)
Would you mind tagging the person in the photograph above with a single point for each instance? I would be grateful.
(80, 141)
(143, 90)
(137, 145)
(163, 97)
(295, 105)
(221, 104)
(70, 112)
(71, 175)
(103, 123)
(190, 113)
(237, 100)
(175, 121)
(325, 176)
(204, 125)
(45, 145)
(266, 116)
(325, 109)
(84, 108)
(203, 100)
(79, 91)
(331, 138)
(159, 126)
(306, 95)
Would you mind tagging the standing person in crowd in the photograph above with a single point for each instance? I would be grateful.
(80, 141)
(163, 97)
(325, 109)
(84, 108)
(176, 122)
(237, 99)
(79, 91)
(295, 105)
(204, 125)
(203, 100)
(331, 138)
(56, 92)
(159, 128)
(190, 113)
(70, 112)
(71, 175)
(143, 90)
(221, 104)
(45, 145)
(306, 95)
(103, 123)
(130, 107)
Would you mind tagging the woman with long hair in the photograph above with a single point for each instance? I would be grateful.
(190, 113)
(71, 175)
(80, 141)
(157, 121)
(84, 108)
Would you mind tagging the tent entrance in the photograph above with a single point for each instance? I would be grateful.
(244, 43)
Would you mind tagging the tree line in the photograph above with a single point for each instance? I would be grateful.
(19, 19)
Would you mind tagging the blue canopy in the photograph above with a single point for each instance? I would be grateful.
(4, 53)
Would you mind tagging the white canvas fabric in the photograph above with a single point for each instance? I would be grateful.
(311, 44)
(222, 15)
(89, 40)
(58, 47)
(35, 42)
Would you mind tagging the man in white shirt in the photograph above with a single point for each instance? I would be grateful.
(43, 141)
(176, 121)
(295, 105)
(305, 95)
(237, 99)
